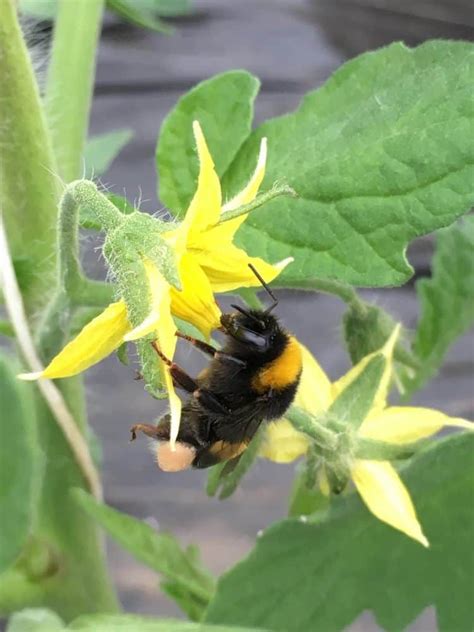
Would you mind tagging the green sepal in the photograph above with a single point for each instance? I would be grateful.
(305, 500)
(355, 401)
(224, 478)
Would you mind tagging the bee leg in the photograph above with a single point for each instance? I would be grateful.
(155, 432)
(210, 350)
(209, 401)
(180, 377)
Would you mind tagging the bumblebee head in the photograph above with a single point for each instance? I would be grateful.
(255, 330)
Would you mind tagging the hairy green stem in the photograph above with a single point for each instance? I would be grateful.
(345, 292)
(28, 188)
(70, 81)
(304, 422)
(259, 201)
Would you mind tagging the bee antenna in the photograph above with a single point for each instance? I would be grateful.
(248, 314)
(266, 288)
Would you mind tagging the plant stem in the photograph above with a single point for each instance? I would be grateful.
(28, 188)
(70, 81)
(345, 292)
(51, 394)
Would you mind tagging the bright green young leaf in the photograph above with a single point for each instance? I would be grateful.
(224, 107)
(35, 620)
(321, 575)
(446, 300)
(102, 150)
(379, 155)
(132, 11)
(135, 623)
(20, 464)
(181, 569)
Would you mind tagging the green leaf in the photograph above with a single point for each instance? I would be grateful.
(321, 575)
(102, 150)
(381, 154)
(367, 328)
(20, 464)
(135, 623)
(35, 620)
(131, 11)
(446, 300)
(182, 570)
(224, 107)
(356, 400)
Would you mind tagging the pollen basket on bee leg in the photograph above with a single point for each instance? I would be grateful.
(177, 460)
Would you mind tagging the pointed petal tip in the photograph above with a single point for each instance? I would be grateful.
(281, 265)
(30, 377)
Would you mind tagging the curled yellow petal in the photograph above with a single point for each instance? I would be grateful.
(159, 290)
(227, 267)
(195, 302)
(250, 190)
(406, 424)
(314, 392)
(387, 498)
(160, 322)
(205, 207)
(93, 343)
(282, 443)
(380, 399)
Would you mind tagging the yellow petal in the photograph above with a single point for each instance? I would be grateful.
(227, 267)
(386, 496)
(249, 192)
(161, 323)
(159, 290)
(314, 392)
(166, 337)
(205, 207)
(406, 424)
(380, 399)
(93, 343)
(195, 302)
(282, 443)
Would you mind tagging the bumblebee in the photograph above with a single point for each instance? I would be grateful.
(252, 379)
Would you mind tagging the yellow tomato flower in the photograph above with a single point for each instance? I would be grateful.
(208, 262)
(377, 482)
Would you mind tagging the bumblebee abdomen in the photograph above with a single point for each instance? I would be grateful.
(282, 372)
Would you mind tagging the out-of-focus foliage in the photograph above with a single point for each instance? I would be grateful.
(323, 571)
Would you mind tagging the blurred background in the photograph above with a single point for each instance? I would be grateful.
(293, 46)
